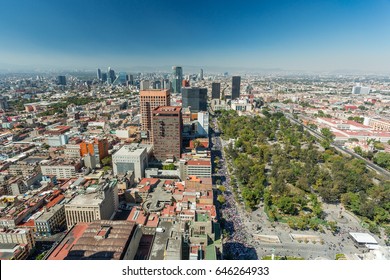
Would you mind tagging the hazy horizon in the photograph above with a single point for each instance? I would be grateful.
(288, 35)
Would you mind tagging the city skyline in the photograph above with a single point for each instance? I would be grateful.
(315, 36)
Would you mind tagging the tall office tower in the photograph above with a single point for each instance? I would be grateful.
(195, 98)
(121, 79)
(167, 129)
(150, 100)
(99, 74)
(131, 79)
(104, 77)
(61, 80)
(166, 84)
(110, 75)
(177, 77)
(157, 84)
(215, 90)
(236, 81)
(144, 85)
(201, 74)
(3, 103)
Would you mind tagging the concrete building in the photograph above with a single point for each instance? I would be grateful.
(150, 100)
(203, 124)
(132, 157)
(236, 84)
(99, 240)
(57, 140)
(51, 221)
(195, 98)
(359, 89)
(72, 151)
(167, 129)
(60, 168)
(97, 147)
(144, 85)
(18, 236)
(99, 202)
(197, 167)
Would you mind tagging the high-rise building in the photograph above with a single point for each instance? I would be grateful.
(131, 79)
(144, 85)
(150, 100)
(61, 80)
(215, 90)
(104, 77)
(201, 74)
(185, 83)
(195, 98)
(99, 74)
(177, 77)
(110, 75)
(157, 84)
(121, 79)
(3, 103)
(167, 129)
(236, 83)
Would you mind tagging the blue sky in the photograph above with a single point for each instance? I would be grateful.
(298, 35)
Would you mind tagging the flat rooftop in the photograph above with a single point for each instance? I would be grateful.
(363, 238)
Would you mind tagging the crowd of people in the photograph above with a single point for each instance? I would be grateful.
(238, 241)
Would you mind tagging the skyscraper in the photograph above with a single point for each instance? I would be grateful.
(236, 81)
(201, 74)
(167, 130)
(195, 98)
(144, 85)
(3, 103)
(110, 75)
(61, 80)
(150, 100)
(99, 74)
(104, 77)
(215, 90)
(177, 77)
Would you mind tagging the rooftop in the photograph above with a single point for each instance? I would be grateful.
(99, 240)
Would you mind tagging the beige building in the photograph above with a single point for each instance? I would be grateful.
(51, 220)
(61, 169)
(97, 203)
(18, 236)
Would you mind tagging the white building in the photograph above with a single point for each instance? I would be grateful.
(131, 157)
(359, 89)
(203, 124)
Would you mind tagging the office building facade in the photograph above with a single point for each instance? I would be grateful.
(167, 130)
(177, 78)
(150, 100)
(195, 98)
(236, 83)
(215, 90)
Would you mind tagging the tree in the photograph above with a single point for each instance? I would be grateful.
(382, 159)
(221, 199)
(107, 161)
(170, 166)
(327, 134)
